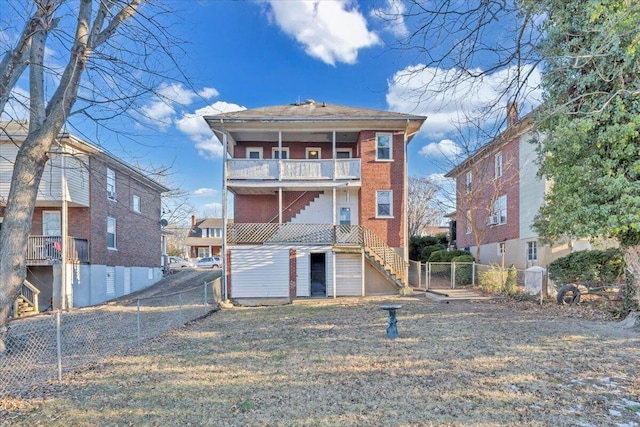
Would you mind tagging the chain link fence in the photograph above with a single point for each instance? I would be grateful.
(42, 348)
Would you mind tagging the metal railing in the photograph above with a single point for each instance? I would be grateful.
(42, 348)
(48, 249)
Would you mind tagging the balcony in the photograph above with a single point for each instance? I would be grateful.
(293, 170)
(46, 250)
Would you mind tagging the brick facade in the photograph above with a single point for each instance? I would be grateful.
(263, 208)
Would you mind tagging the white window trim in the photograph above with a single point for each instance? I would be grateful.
(111, 182)
(308, 150)
(533, 243)
(468, 223)
(115, 234)
(136, 209)
(500, 245)
(390, 159)
(344, 150)
(390, 203)
(468, 182)
(496, 217)
(254, 149)
(274, 150)
(498, 165)
(44, 222)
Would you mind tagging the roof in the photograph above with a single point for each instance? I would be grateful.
(315, 115)
(19, 129)
(520, 127)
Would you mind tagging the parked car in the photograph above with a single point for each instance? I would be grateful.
(209, 262)
(177, 262)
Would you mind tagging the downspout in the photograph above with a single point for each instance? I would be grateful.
(64, 294)
(405, 201)
(225, 214)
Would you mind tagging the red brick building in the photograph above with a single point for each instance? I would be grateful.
(319, 196)
(95, 232)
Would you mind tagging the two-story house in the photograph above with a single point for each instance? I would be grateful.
(95, 232)
(204, 238)
(498, 194)
(319, 197)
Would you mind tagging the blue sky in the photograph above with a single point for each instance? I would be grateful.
(249, 54)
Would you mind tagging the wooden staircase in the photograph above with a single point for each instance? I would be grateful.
(386, 260)
(27, 302)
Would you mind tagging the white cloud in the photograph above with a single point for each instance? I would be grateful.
(330, 30)
(393, 17)
(204, 192)
(193, 125)
(161, 111)
(451, 97)
(445, 148)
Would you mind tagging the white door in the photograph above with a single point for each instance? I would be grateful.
(51, 223)
(127, 280)
(349, 274)
(111, 281)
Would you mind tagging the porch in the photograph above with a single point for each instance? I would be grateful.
(292, 170)
(47, 250)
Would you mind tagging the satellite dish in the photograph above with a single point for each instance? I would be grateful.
(163, 222)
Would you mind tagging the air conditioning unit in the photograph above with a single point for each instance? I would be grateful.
(111, 194)
(493, 219)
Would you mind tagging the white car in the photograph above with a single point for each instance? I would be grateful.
(177, 262)
(209, 262)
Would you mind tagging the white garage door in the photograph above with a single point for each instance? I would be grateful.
(348, 274)
(260, 273)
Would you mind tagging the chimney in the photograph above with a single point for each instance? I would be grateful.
(512, 114)
(193, 220)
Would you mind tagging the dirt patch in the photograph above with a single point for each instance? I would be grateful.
(329, 363)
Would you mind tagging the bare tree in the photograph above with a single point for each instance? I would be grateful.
(421, 205)
(112, 44)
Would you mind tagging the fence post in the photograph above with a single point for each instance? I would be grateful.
(139, 329)
(473, 273)
(453, 275)
(428, 276)
(59, 345)
(180, 307)
(205, 298)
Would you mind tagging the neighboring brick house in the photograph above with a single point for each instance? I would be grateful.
(108, 223)
(205, 238)
(319, 200)
(498, 194)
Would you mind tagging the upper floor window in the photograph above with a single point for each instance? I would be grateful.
(383, 146)
(532, 251)
(111, 184)
(313, 153)
(254, 152)
(384, 203)
(498, 165)
(211, 232)
(135, 203)
(499, 211)
(280, 154)
(343, 153)
(468, 182)
(468, 223)
(111, 233)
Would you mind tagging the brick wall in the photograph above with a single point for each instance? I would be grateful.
(485, 188)
(264, 208)
(137, 234)
(382, 175)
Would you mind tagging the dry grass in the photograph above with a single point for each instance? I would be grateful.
(329, 363)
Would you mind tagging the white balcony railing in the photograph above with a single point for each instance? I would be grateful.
(273, 169)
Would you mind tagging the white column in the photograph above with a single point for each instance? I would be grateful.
(225, 214)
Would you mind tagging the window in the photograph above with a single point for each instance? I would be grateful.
(498, 165)
(111, 184)
(383, 146)
(345, 215)
(135, 203)
(343, 153)
(254, 152)
(313, 153)
(280, 154)
(502, 248)
(499, 211)
(384, 203)
(532, 251)
(111, 233)
(468, 223)
(469, 179)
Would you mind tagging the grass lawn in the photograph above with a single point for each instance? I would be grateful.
(329, 363)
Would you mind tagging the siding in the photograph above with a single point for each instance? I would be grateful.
(349, 274)
(260, 272)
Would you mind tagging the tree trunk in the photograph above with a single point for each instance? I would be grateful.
(632, 265)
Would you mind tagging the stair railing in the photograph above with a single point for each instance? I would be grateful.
(385, 255)
(29, 294)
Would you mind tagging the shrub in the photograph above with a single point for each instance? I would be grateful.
(418, 247)
(589, 268)
(428, 250)
(493, 281)
(464, 271)
(445, 256)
